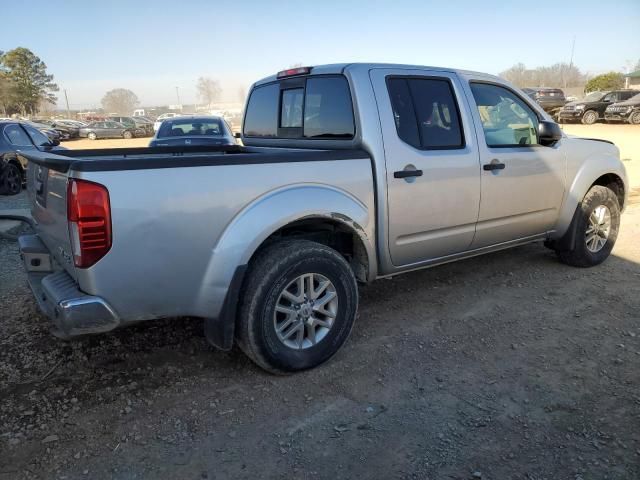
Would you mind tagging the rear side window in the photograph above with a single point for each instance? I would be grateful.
(261, 119)
(426, 113)
(312, 108)
(17, 136)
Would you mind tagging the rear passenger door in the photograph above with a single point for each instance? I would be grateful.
(433, 172)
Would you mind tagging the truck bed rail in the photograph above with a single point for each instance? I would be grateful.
(113, 159)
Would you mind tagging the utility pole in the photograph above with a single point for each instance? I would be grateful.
(178, 95)
(573, 47)
(66, 99)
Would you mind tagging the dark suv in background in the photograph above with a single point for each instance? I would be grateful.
(625, 111)
(139, 127)
(548, 98)
(591, 108)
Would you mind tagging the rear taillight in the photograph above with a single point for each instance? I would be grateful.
(89, 216)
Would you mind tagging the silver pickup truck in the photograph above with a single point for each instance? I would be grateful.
(347, 173)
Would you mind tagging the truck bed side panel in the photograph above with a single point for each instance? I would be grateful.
(167, 224)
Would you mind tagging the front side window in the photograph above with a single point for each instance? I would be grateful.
(17, 136)
(610, 97)
(425, 113)
(506, 119)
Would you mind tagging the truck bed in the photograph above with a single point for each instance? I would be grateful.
(179, 232)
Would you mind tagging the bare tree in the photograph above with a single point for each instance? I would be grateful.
(242, 93)
(120, 100)
(208, 90)
(560, 75)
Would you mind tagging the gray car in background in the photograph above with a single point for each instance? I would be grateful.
(106, 129)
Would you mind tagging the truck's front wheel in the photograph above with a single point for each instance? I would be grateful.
(596, 225)
(298, 306)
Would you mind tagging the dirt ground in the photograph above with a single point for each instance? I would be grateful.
(506, 366)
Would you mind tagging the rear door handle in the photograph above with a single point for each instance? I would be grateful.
(407, 173)
(493, 166)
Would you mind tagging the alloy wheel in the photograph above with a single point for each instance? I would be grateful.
(305, 311)
(598, 229)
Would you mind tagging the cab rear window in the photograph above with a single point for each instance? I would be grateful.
(312, 108)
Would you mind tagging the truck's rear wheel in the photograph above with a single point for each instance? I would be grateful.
(596, 225)
(298, 306)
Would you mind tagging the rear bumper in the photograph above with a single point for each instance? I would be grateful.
(71, 311)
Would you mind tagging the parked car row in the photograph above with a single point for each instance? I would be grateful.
(610, 106)
(595, 106)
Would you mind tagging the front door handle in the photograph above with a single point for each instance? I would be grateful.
(493, 166)
(407, 173)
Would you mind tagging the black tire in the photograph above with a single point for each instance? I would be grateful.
(92, 136)
(579, 255)
(10, 180)
(269, 274)
(127, 134)
(590, 117)
(634, 118)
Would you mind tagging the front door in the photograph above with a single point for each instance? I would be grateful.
(522, 182)
(432, 165)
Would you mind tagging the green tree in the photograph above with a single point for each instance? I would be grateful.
(7, 100)
(606, 81)
(27, 82)
(119, 100)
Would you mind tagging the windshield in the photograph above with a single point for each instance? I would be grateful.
(594, 97)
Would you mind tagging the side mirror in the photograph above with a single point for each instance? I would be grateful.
(549, 133)
(237, 135)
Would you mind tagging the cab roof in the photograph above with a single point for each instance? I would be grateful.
(341, 68)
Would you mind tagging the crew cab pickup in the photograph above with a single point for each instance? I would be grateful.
(347, 173)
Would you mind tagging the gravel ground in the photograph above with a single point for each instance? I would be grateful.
(509, 365)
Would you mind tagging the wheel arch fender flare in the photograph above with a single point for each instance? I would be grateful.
(589, 173)
(254, 224)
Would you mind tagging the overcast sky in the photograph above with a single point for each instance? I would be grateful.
(152, 47)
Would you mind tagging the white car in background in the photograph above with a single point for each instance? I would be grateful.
(164, 116)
